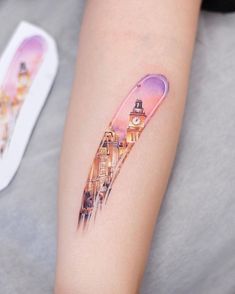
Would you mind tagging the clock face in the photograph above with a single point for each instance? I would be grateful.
(136, 120)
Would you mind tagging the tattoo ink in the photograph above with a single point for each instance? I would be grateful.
(119, 138)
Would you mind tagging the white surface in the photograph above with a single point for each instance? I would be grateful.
(34, 99)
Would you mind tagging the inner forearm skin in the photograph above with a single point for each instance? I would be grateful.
(121, 42)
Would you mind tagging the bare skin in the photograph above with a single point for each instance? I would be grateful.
(120, 42)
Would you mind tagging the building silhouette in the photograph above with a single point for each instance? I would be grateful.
(10, 106)
(108, 160)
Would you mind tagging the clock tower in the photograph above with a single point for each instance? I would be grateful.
(23, 81)
(136, 122)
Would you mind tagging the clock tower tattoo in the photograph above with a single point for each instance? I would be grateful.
(119, 138)
(136, 121)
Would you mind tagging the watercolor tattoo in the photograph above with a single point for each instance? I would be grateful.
(120, 136)
(16, 84)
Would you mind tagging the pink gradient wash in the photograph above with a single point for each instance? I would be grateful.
(151, 89)
(31, 52)
(111, 155)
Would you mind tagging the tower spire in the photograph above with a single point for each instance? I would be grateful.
(138, 107)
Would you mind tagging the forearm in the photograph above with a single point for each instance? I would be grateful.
(120, 42)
